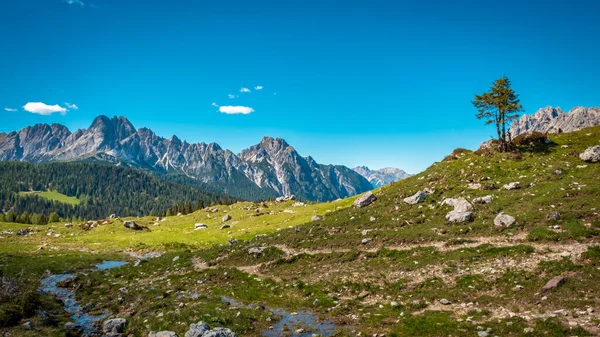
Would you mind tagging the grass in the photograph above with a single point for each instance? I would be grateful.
(54, 196)
(492, 275)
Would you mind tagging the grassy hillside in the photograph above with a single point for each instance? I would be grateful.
(389, 268)
(54, 196)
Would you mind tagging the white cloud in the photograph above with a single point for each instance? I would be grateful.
(215, 104)
(75, 2)
(244, 90)
(232, 110)
(10, 109)
(258, 87)
(232, 96)
(71, 106)
(43, 108)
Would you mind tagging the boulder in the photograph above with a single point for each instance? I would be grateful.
(315, 218)
(554, 283)
(73, 330)
(22, 232)
(231, 242)
(504, 220)
(200, 226)
(225, 226)
(591, 154)
(459, 216)
(365, 241)
(226, 218)
(162, 334)
(512, 185)
(365, 200)
(114, 327)
(460, 204)
(130, 224)
(197, 329)
(416, 198)
(483, 200)
(112, 216)
(444, 301)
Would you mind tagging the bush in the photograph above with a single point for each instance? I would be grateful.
(531, 138)
(456, 154)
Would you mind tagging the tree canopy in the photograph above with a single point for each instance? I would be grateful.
(499, 106)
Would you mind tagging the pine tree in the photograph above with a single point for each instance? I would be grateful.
(500, 106)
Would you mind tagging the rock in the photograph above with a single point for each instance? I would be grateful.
(460, 204)
(444, 301)
(363, 294)
(197, 329)
(73, 330)
(416, 198)
(219, 332)
(591, 154)
(474, 186)
(231, 242)
(512, 186)
(130, 224)
(488, 145)
(68, 225)
(225, 226)
(22, 232)
(483, 200)
(365, 200)
(256, 251)
(162, 334)
(553, 216)
(114, 327)
(28, 325)
(365, 241)
(504, 220)
(200, 226)
(482, 334)
(315, 218)
(46, 319)
(394, 304)
(459, 217)
(528, 330)
(112, 216)
(179, 214)
(226, 218)
(554, 283)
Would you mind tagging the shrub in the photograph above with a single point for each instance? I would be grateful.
(531, 138)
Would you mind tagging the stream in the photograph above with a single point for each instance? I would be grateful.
(289, 322)
(86, 321)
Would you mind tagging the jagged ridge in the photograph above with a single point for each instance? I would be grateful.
(268, 169)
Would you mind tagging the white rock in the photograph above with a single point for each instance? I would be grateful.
(504, 220)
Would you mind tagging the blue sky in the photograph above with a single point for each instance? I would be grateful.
(377, 83)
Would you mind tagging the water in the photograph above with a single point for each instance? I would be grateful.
(110, 264)
(86, 321)
(288, 322)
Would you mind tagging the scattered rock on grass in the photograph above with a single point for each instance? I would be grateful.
(483, 200)
(315, 218)
(504, 220)
(130, 224)
(226, 218)
(114, 327)
(512, 186)
(416, 198)
(200, 226)
(591, 154)
(554, 283)
(365, 200)
(459, 217)
(553, 216)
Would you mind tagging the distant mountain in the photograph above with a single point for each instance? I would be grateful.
(554, 120)
(382, 176)
(268, 169)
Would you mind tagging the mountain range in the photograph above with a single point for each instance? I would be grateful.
(383, 176)
(270, 168)
(554, 120)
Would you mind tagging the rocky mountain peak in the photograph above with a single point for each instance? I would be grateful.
(382, 176)
(554, 120)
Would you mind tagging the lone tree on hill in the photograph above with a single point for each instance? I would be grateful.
(500, 105)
